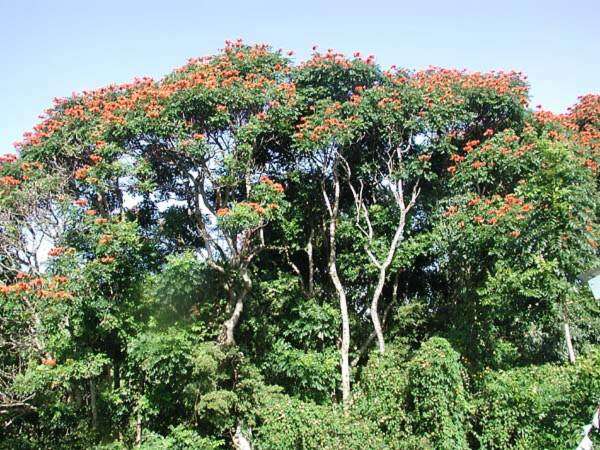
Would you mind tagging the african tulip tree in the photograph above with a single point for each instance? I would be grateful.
(194, 142)
(243, 221)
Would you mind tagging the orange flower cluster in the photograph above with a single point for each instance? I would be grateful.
(276, 186)
(254, 206)
(56, 251)
(37, 286)
(82, 173)
(445, 82)
(222, 212)
(9, 180)
(107, 259)
(329, 58)
(470, 145)
(112, 104)
(82, 202)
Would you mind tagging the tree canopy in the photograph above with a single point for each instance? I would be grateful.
(327, 254)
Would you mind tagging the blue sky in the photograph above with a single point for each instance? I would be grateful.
(51, 48)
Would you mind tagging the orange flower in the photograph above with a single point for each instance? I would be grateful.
(452, 169)
(96, 158)
(107, 259)
(81, 202)
(474, 201)
(50, 362)
(478, 219)
(470, 145)
(527, 207)
(56, 251)
(82, 173)
(60, 279)
(515, 233)
(100, 221)
(105, 239)
(90, 212)
(222, 212)
(9, 181)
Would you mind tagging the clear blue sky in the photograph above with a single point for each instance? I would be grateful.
(51, 48)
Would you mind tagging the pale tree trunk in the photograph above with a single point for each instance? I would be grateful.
(138, 428)
(396, 188)
(333, 208)
(569, 343)
(241, 441)
(227, 332)
(383, 267)
(568, 339)
(311, 264)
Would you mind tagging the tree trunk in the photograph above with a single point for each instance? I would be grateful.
(226, 337)
(138, 428)
(240, 440)
(569, 343)
(381, 281)
(375, 313)
(311, 264)
(345, 344)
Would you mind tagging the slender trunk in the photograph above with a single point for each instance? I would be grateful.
(138, 428)
(240, 440)
(569, 343)
(568, 339)
(93, 404)
(345, 344)
(226, 337)
(363, 348)
(375, 313)
(311, 264)
(381, 281)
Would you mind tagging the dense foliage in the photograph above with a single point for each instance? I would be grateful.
(318, 255)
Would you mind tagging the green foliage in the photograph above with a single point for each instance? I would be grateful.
(536, 406)
(437, 397)
(166, 261)
(287, 423)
